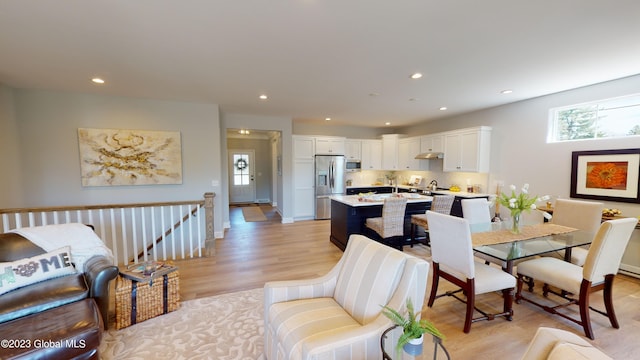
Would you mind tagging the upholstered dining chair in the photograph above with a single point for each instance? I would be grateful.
(476, 210)
(338, 315)
(582, 215)
(441, 204)
(598, 273)
(389, 228)
(452, 257)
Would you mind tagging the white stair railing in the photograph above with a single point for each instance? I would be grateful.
(133, 232)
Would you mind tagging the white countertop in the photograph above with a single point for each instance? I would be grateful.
(355, 200)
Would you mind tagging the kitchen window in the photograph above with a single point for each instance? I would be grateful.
(609, 118)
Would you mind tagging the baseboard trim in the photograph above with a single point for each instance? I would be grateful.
(630, 270)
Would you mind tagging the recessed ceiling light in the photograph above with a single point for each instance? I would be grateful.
(387, 123)
(506, 91)
(443, 108)
(97, 81)
(327, 119)
(416, 76)
(263, 97)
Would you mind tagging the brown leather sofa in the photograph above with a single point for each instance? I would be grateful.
(59, 318)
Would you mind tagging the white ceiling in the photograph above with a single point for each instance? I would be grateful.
(321, 58)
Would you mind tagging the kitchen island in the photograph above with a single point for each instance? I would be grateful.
(348, 214)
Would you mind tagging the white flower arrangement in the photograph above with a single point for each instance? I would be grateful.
(517, 203)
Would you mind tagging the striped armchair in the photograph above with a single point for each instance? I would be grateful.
(338, 315)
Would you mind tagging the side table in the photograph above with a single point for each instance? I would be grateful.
(432, 347)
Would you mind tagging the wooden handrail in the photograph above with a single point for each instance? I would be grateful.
(98, 207)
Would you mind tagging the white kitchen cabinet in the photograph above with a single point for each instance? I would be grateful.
(467, 150)
(371, 154)
(353, 149)
(303, 147)
(303, 181)
(390, 149)
(431, 144)
(330, 146)
(408, 148)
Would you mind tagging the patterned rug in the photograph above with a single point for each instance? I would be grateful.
(227, 326)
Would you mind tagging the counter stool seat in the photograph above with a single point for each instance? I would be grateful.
(441, 204)
(389, 229)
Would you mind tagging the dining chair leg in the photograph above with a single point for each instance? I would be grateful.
(471, 298)
(507, 294)
(583, 303)
(608, 300)
(434, 284)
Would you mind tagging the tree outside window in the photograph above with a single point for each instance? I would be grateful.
(618, 117)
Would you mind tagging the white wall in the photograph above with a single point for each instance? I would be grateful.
(519, 151)
(328, 128)
(11, 178)
(47, 130)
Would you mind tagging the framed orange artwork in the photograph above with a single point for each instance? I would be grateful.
(609, 175)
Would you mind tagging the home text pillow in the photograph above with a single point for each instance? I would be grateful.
(31, 270)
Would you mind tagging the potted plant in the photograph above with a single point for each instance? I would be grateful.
(413, 329)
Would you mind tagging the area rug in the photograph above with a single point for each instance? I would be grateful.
(227, 326)
(253, 213)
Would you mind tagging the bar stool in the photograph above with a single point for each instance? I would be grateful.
(441, 204)
(389, 229)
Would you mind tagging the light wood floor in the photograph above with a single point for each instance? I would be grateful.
(253, 253)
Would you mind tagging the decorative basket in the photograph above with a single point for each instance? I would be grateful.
(139, 301)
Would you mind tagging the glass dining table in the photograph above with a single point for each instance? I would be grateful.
(495, 240)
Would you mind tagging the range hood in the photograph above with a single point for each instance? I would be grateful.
(430, 155)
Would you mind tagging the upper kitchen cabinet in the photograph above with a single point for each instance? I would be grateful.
(408, 148)
(390, 150)
(353, 149)
(431, 144)
(371, 154)
(330, 146)
(467, 150)
(304, 147)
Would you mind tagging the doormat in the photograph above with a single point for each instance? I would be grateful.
(253, 213)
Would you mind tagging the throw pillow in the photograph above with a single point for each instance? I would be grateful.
(31, 270)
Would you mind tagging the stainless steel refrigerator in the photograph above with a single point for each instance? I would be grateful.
(329, 180)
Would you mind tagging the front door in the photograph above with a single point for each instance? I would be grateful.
(241, 176)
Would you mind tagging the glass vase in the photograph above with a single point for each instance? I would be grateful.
(516, 225)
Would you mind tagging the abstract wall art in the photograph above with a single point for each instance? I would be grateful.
(113, 157)
(610, 175)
